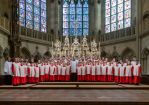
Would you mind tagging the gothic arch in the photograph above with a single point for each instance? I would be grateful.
(144, 60)
(6, 52)
(1, 52)
(25, 52)
(128, 52)
(47, 54)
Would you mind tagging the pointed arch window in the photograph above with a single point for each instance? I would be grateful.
(75, 17)
(33, 14)
(117, 15)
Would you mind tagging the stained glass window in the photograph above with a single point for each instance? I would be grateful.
(33, 14)
(117, 15)
(75, 17)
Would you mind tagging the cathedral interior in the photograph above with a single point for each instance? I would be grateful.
(29, 28)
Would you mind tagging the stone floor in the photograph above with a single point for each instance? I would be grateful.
(69, 94)
(73, 95)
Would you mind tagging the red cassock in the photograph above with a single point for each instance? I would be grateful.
(116, 73)
(22, 74)
(93, 73)
(16, 74)
(52, 73)
(98, 72)
(128, 74)
(122, 74)
(68, 73)
(136, 70)
(37, 74)
(31, 74)
(63, 77)
(110, 73)
(59, 72)
(47, 72)
(42, 73)
(83, 73)
(79, 73)
(104, 73)
(88, 72)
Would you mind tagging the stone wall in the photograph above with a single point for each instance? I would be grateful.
(3, 46)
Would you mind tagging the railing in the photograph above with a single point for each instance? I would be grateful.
(124, 33)
(35, 34)
(5, 24)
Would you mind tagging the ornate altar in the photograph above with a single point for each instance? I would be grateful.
(85, 47)
(76, 48)
(66, 47)
(57, 49)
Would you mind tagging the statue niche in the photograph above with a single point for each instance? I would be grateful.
(75, 48)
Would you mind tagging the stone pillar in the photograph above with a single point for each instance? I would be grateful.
(138, 27)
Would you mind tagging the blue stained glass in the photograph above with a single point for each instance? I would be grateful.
(79, 31)
(37, 3)
(36, 10)
(72, 31)
(36, 26)
(72, 17)
(43, 21)
(72, 25)
(43, 13)
(65, 10)
(75, 12)
(43, 0)
(33, 14)
(65, 4)
(43, 28)
(29, 24)
(29, 1)
(85, 24)
(22, 1)
(29, 7)
(127, 22)
(65, 17)
(65, 32)
(79, 25)
(85, 31)
(29, 16)
(85, 10)
(36, 18)
(72, 10)
(43, 5)
(79, 10)
(79, 17)
(22, 13)
(22, 6)
(79, 4)
(22, 21)
(65, 24)
(86, 3)
(85, 17)
(117, 14)
(72, 4)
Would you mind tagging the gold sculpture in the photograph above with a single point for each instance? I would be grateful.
(76, 48)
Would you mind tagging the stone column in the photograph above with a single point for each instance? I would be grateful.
(138, 27)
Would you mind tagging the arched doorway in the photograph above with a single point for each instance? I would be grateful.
(145, 60)
(128, 53)
(25, 53)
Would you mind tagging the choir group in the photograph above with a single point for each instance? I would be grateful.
(95, 70)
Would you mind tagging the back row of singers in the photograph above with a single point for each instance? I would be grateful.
(24, 72)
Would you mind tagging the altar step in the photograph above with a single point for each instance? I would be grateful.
(76, 85)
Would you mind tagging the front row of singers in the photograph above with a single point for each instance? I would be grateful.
(23, 73)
